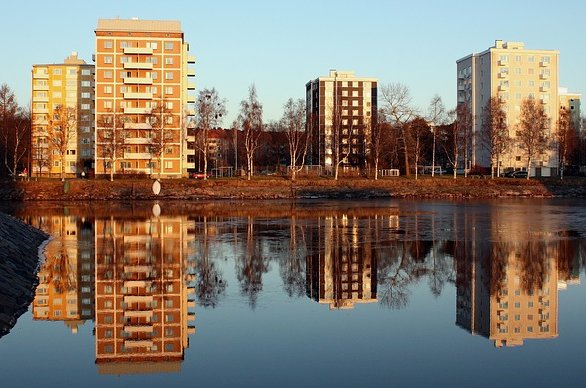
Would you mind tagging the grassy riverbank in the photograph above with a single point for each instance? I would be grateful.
(283, 188)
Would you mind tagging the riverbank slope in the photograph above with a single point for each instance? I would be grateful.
(282, 188)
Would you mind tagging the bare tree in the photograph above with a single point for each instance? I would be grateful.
(250, 120)
(531, 130)
(379, 141)
(162, 121)
(209, 110)
(495, 132)
(418, 128)
(293, 123)
(454, 135)
(111, 136)
(436, 116)
(62, 127)
(398, 109)
(565, 138)
(15, 133)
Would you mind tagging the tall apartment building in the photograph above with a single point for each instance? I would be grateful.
(142, 100)
(70, 85)
(513, 73)
(341, 100)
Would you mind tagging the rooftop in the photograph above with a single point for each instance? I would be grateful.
(136, 24)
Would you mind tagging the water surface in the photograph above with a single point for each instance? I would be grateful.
(407, 293)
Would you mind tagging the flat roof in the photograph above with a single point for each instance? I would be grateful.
(139, 25)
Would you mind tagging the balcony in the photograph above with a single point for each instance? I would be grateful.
(138, 314)
(138, 299)
(190, 112)
(503, 62)
(138, 156)
(191, 99)
(544, 76)
(138, 50)
(137, 111)
(143, 126)
(138, 81)
(191, 59)
(191, 72)
(41, 75)
(41, 87)
(191, 316)
(503, 75)
(41, 99)
(137, 140)
(138, 96)
(544, 101)
(190, 86)
(137, 268)
(138, 329)
(138, 343)
(544, 89)
(190, 290)
(136, 283)
(190, 304)
(138, 65)
(503, 87)
(544, 64)
(190, 329)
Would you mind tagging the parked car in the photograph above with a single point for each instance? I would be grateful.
(519, 174)
(199, 175)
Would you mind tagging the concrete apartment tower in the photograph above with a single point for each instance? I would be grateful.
(142, 102)
(571, 101)
(514, 73)
(69, 85)
(344, 100)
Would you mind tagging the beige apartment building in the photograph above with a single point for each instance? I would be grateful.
(513, 73)
(69, 85)
(341, 100)
(142, 103)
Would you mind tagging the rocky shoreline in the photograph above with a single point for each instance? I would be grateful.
(282, 188)
(20, 248)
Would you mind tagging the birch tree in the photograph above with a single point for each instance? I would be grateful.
(250, 120)
(454, 135)
(531, 131)
(436, 117)
(62, 127)
(15, 135)
(209, 110)
(565, 138)
(162, 121)
(397, 108)
(293, 123)
(111, 136)
(495, 132)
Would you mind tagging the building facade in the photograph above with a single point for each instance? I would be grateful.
(513, 73)
(340, 111)
(68, 85)
(571, 101)
(142, 102)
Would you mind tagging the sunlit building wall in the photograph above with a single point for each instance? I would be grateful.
(69, 84)
(142, 294)
(513, 73)
(142, 69)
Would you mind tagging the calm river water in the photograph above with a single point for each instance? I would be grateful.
(320, 294)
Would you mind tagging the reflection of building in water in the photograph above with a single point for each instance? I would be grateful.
(142, 295)
(511, 295)
(344, 272)
(66, 285)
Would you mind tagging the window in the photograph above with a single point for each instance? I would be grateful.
(86, 72)
(125, 59)
(108, 89)
(86, 84)
(85, 95)
(152, 45)
(56, 71)
(108, 74)
(85, 106)
(108, 104)
(169, 105)
(123, 44)
(107, 59)
(168, 45)
(57, 82)
(108, 44)
(169, 347)
(168, 60)
(168, 75)
(169, 90)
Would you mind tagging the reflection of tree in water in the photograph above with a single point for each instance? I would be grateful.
(250, 266)
(58, 269)
(398, 268)
(292, 262)
(210, 284)
(532, 255)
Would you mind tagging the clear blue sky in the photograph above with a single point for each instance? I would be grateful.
(280, 45)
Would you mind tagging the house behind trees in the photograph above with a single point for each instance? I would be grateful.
(70, 85)
(513, 73)
(340, 109)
